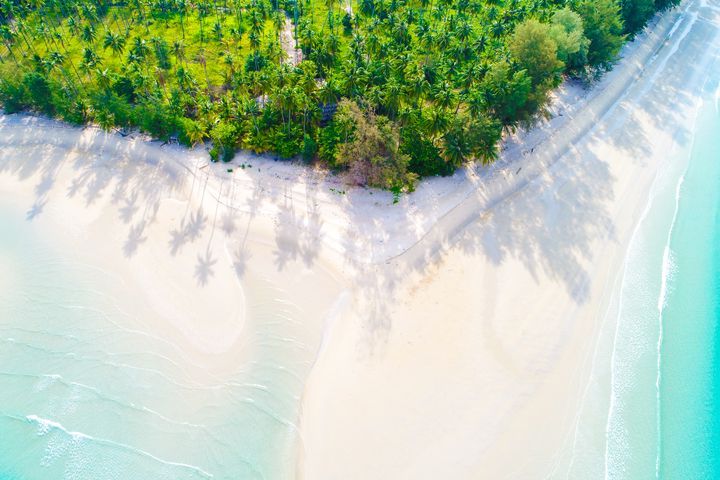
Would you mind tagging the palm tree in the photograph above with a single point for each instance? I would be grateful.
(203, 10)
(115, 42)
(140, 49)
(90, 60)
(393, 97)
(103, 78)
(55, 60)
(202, 60)
(178, 49)
(181, 7)
(20, 29)
(8, 37)
(436, 121)
(455, 147)
(184, 79)
(88, 34)
(195, 133)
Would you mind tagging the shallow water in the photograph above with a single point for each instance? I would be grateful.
(652, 406)
(90, 390)
(689, 380)
(664, 399)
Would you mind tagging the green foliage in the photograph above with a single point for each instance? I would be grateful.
(604, 29)
(636, 13)
(310, 148)
(425, 159)
(508, 94)
(13, 95)
(110, 109)
(224, 136)
(39, 92)
(155, 120)
(371, 151)
(665, 4)
(566, 28)
(339, 131)
(191, 132)
(429, 85)
(288, 142)
(535, 49)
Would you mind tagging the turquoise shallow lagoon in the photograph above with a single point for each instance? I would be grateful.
(89, 391)
(664, 411)
(689, 381)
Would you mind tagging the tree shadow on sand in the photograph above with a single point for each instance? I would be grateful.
(189, 230)
(204, 268)
(134, 239)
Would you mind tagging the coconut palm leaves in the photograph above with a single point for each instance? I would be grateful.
(438, 77)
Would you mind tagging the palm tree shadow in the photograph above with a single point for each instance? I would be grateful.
(127, 211)
(205, 267)
(46, 183)
(287, 235)
(36, 209)
(187, 231)
(134, 240)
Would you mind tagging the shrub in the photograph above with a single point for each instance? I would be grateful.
(371, 151)
(224, 136)
(425, 159)
(39, 92)
(155, 120)
(310, 148)
(13, 96)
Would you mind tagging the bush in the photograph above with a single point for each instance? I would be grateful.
(425, 159)
(533, 46)
(310, 148)
(224, 136)
(603, 27)
(508, 94)
(371, 151)
(155, 120)
(13, 96)
(70, 110)
(567, 30)
(39, 92)
(636, 13)
(288, 144)
(123, 87)
(190, 132)
(338, 131)
(110, 109)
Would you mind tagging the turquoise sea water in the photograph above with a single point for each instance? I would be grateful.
(90, 392)
(664, 410)
(689, 382)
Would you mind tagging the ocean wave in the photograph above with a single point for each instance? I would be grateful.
(74, 441)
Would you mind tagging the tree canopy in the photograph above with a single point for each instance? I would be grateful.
(390, 90)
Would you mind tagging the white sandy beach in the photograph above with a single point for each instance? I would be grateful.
(454, 331)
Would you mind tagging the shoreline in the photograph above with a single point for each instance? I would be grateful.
(381, 371)
(573, 110)
(406, 309)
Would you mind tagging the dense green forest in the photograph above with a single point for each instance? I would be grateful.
(389, 90)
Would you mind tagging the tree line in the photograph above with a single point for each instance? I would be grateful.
(388, 90)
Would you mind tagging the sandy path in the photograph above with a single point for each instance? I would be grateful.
(287, 40)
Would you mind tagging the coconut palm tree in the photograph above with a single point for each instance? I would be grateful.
(115, 42)
(178, 49)
(195, 133)
(8, 38)
(88, 33)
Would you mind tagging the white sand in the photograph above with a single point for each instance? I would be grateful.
(473, 364)
(456, 325)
